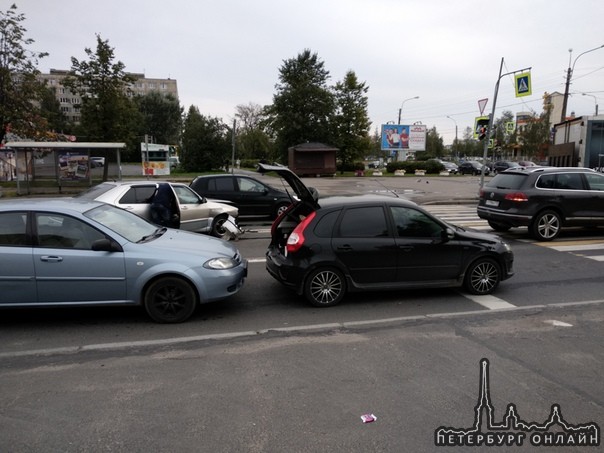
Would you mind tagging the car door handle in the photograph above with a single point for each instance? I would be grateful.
(344, 248)
(51, 258)
(405, 248)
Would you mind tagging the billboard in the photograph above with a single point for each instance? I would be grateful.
(403, 137)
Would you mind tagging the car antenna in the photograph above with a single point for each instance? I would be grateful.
(387, 188)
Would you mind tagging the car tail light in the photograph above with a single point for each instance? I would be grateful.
(296, 240)
(516, 196)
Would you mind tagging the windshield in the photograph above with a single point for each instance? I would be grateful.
(122, 222)
(507, 181)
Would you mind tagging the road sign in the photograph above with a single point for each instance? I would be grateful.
(482, 103)
(523, 84)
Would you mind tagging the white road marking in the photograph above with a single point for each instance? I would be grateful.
(490, 302)
(556, 323)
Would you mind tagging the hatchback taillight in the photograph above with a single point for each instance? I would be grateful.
(516, 196)
(296, 240)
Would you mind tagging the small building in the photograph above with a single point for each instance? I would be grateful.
(312, 159)
(578, 142)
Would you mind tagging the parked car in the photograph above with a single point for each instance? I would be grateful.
(503, 165)
(70, 251)
(324, 248)
(96, 162)
(451, 167)
(174, 162)
(189, 210)
(544, 199)
(251, 196)
(472, 167)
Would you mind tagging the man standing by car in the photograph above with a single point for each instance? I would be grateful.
(164, 209)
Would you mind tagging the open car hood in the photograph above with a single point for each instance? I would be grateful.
(308, 195)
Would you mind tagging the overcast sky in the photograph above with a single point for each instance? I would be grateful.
(228, 52)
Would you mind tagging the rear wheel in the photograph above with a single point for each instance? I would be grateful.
(170, 300)
(325, 287)
(483, 276)
(546, 226)
(498, 226)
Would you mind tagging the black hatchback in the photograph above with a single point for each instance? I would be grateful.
(325, 248)
(544, 199)
(251, 196)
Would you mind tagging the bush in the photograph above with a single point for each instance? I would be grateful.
(410, 166)
(350, 166)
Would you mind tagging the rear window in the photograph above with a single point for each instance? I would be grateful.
(507, 181)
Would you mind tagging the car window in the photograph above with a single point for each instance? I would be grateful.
(138, 195)
(366, 222)
(324, 227)
(249, 185)
(186, 195)
(507, 181)
(12, 228)
(595, 181)
(546, 182)
(569, 181)
(221, 185)
(59, 231)
(410, 222)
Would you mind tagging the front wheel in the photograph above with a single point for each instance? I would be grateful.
(325, 287)
(482, 277)
(546, 226)
(218, 229)
(170, 300)
(281, 208)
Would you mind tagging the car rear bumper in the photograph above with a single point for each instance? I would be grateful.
(278, 267)
(504, 217)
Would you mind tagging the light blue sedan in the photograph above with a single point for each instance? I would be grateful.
(66, 252)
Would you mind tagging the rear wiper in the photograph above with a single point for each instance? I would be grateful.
(157, 233)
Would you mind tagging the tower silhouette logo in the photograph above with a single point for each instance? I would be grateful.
(512, 430)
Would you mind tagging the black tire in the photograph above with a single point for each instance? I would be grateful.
(218, 229)
(325, 287)
(482, 277)
(546, 225)
(281, 207)
(498, 226)
(170, 300)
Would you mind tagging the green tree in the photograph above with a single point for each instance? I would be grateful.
(351, 122)
(50, 109)
(434, 144)
(206, 143)
(161, 117)
(303, 104)
(253, 142)
(19, 85)
(107, 112)
(534, 136)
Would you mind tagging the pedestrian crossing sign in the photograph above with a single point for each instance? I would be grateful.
(523, 84)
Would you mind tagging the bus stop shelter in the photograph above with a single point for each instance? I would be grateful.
(68, 163)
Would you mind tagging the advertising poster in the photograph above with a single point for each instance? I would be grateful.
(73, 166)
(395, 136)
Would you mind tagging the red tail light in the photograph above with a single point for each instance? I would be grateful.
(516, 196)
(296, 240)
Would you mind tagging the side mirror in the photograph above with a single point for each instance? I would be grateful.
(314, 192)
(106, 245)
(447, 234)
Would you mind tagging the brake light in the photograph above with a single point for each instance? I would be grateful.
(516, 196)
(296, 240)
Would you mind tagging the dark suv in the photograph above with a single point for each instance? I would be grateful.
(251, 196)
(325, 248)
(543, 198)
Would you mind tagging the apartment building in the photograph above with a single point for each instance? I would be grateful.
(70, 102)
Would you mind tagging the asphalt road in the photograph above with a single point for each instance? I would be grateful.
(265, 372)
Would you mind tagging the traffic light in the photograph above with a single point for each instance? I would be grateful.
(481, 125)
(482, 133)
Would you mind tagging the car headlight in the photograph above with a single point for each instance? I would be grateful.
(220, 263)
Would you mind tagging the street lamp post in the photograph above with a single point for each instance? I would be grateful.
(595, 100)
(401, 109)
(569, 74)
(455, 142)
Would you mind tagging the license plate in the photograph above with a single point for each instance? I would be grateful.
(492, 203)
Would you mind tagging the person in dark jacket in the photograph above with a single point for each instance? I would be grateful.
(164, 208)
